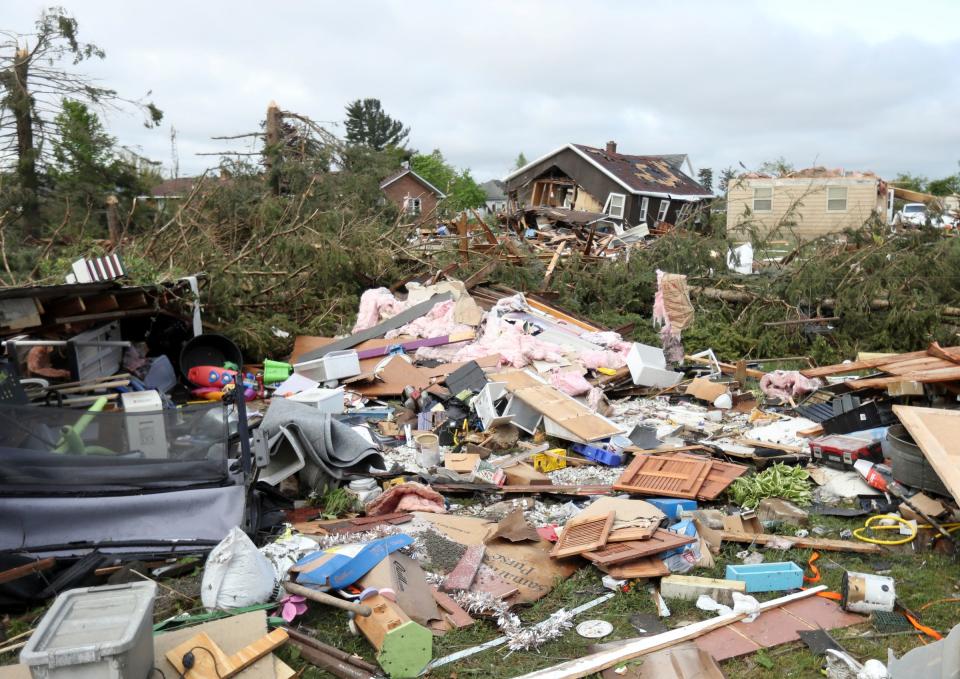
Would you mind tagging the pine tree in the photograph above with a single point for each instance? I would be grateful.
(368, 125)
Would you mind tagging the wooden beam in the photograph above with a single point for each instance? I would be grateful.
(804, 543)
(18, 572)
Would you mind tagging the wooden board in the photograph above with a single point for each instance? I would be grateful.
(631, 533)
(805, 543)
(664, 476)
(721, 475)
(216, 664)
(647, 567)
(585, 535)
(950, 373)
(618, 552)
(937, 433)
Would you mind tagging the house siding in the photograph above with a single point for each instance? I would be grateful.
(807, 197)
(410, 186)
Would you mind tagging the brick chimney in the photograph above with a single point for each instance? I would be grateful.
(611, 147)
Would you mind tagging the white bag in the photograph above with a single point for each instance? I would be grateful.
(236, 574)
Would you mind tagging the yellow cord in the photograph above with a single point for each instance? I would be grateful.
(869, 525)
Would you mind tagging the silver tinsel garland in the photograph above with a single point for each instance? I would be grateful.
(519, 638)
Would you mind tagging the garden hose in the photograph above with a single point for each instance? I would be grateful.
(869, 524)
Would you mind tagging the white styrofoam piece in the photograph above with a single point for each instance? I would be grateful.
(648, 367)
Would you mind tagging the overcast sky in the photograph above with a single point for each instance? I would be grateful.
(859, 85)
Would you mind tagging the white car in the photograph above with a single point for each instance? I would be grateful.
(911, 214)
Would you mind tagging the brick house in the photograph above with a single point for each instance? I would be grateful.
(412, 194)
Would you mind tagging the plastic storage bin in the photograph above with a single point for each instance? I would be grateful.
(334, 366)
(95, 633)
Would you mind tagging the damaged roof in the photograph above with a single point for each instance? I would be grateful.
(644, 174)
(657, 175)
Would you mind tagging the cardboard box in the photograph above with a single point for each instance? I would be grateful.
(462, 463)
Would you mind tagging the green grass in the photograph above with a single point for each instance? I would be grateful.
(920, 577)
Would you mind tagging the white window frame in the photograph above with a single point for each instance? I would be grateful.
(568, 199)
(663, 211)
(844, 199)
(608, 206)
(644, 204)
(755, 198)
(412, 205)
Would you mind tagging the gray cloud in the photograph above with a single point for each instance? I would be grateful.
(843, 84)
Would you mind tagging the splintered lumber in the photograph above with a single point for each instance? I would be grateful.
(327, 663)
(804, 543)
(589, 664)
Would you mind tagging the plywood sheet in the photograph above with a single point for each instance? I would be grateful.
(583, 535)
(659, 476)
(937, 433)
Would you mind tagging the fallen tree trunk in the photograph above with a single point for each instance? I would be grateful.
(744, 297)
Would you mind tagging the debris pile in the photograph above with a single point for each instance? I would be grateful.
(456, 456)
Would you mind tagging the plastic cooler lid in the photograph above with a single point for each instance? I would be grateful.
(86, 624)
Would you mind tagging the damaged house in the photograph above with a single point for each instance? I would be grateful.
(807, 203)
(636, 190)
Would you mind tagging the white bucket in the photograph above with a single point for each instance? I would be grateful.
(429, 446)
(863, 592)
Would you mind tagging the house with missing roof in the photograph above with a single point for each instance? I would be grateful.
(412, 194)
(632, 189)
(807, 203)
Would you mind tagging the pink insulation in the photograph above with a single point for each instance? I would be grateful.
(787, 384)
(570, 382)
(376, 305)
(436, 323)
(603, 359)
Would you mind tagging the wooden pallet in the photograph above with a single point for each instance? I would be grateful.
(664, 476)
(585, 535)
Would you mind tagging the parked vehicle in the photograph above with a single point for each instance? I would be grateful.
(911, 214)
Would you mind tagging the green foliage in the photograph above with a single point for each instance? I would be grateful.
(460, 188)
(777, 167)
(520, 161)
(905, 180)
(84, 160)
(369, 125)
(946, 186)
(777, 480)
(705, 178)
(726, 176)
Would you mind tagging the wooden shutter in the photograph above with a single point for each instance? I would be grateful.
(585, 535)
(721, 475)
(669, 476)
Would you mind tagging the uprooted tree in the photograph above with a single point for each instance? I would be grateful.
(37, 76)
